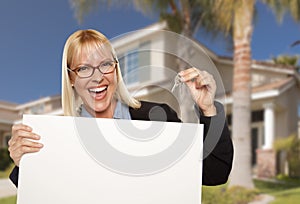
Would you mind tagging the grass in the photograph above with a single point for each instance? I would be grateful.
(290, 196)
(4, 175)
(9, 200)
(224, 195)
(285, 191)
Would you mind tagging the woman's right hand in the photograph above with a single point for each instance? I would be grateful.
(22, 141)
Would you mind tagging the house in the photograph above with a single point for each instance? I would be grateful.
(150, 59)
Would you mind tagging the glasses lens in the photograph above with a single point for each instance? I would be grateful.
(107, 67)
(85, 71)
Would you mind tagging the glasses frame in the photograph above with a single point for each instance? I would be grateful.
(94, 68)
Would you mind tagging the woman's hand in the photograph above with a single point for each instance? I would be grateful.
(21, 142)
(202, 87)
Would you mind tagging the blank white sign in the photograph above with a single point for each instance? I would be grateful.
(108, 161)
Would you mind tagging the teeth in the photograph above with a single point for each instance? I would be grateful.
(98, 89)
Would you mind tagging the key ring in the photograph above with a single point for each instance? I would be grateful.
(177, 82)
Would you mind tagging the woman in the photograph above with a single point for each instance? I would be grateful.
(92, 86)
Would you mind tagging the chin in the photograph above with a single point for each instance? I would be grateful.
(101, 107)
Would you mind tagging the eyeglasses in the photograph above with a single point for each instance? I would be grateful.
(86, 71)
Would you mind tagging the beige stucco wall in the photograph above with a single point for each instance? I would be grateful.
(287, 113)
(226, 73)
(8, 115)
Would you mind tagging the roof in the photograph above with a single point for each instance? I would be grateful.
(135, 35)
(8, 105)
(279, 85)
(273, 89)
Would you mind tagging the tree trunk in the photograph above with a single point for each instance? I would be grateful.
(241, 174)
(187, 112)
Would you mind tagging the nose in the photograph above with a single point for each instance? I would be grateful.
(97, 76)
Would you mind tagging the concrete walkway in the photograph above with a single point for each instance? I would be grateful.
(7, 188)
(263, 199)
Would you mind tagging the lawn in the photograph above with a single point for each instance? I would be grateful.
(4, 175)
(290, 196)
(9, 200)
(287, 192)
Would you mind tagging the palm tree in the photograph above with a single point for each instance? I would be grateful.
(234, 16)
(239, 14)
(182, 16)
(289, 60)
(280, 7)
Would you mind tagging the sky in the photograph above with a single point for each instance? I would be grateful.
(33, 33)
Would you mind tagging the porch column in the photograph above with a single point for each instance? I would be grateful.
(269, 122)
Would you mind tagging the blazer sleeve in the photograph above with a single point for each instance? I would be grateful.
(217, 148)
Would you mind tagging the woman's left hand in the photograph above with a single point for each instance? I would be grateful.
(202, 87)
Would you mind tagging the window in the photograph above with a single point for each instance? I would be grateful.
(132, 60)
(256, 116)
(37, 109)
(254, 144)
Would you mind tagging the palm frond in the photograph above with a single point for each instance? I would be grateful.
(295, 43)
(150, 7)
(83, 7)
(281, 7)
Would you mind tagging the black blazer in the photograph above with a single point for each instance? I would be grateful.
(218, 148)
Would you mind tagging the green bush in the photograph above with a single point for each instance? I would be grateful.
(290, 145)
(240, 195)
(233, 195)
(5, 160)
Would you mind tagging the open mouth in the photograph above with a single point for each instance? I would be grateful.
(99, 92)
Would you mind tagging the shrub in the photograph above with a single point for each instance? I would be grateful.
(241, 195)
(291, 145)
(5, 160)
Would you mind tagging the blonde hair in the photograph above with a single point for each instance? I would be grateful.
(86, 39)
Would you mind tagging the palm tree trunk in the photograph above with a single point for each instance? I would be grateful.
(241, 124)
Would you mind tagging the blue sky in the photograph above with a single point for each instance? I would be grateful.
(33, 34)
